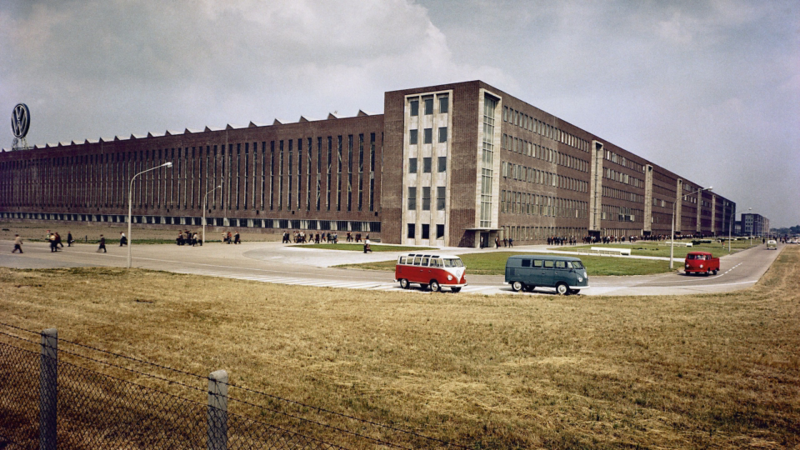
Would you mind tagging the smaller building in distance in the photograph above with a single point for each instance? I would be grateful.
(754, 225)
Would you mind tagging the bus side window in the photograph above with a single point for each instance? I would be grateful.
(417, 260)
(526, 263)
(548, 264)
(537, 263)
(561, 264)
(436, 262)
(402, 260)
(425, 261)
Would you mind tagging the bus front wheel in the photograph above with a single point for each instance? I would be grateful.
(435, 286)
(562, 289)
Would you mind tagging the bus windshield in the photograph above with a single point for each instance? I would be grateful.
(453, 262)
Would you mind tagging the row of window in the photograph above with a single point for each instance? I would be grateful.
(529, 123)
(620, 177)
(523, 147)
(536, 176)
(525, 233)
(280, 224)
(424, 231)
(624, 162)
(425, 200)
(427, 162)
(427, 136)
(272, 177)
(621, 213)
(512, 202)
(427, 105)
(622, 195)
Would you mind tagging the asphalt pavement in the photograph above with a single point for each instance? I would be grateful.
(273, 262)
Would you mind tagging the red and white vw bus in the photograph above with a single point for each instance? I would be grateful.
(436, 271)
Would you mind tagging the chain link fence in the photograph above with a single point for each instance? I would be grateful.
(80, 399)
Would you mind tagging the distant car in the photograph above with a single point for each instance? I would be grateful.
(772, 244)
(701, 262)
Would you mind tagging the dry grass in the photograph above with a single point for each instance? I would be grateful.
(715, 371)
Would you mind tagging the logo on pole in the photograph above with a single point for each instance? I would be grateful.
(20, 120)
(20, 124)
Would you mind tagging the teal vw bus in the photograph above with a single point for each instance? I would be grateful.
(564, 273)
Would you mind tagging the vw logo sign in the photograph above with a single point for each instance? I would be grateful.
(20, 120)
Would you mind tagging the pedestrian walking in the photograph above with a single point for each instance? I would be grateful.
(53, 245)
(17, 244)
(58, 241)
(69, 239)
(102, 244)
(236, 239)
(122, 239)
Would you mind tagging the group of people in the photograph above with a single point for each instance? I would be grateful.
(300, 237)
(229, 238)
(188, 238)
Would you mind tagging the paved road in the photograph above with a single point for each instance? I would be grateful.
(276, 263)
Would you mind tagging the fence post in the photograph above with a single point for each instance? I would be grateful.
(48, 390)
(218, 410)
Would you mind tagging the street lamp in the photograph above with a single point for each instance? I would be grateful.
(674, 205)
(205, 201)
(730, 231)
(130, 206)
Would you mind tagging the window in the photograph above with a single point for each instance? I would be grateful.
(426, 199)
(428, 138)
(426, 231)
(440, 233)
(440, 198)
(414, 104)
(443, 104)
(426, 165)
(428, 105)
(548, 264)
(442, 134)
(442, 165)
(412, 198)
(526, 263)
(412, 136)
(412, 165)
(411, 231)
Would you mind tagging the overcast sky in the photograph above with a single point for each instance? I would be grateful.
(708, 89)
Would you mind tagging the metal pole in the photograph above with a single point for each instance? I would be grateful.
(130, 206)
(672, 239)
(205, 202)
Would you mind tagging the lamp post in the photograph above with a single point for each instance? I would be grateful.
(130, 206)
(205, 202)
(672, 241)
(730, 231)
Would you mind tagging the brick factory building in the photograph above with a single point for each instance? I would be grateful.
(455, 165)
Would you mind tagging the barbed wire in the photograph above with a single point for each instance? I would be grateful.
(377, 424)
(303, 419)
(272, 396)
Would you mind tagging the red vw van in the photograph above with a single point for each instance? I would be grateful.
(436, 271)
(701, 262)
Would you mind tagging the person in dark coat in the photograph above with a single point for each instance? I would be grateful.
(102, 244)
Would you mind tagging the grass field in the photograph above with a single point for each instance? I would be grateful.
(708, 371)
(494, 263)
(353, 247)
(653, 249)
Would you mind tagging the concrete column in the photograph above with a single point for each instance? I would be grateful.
(48, 389)
(596, 187)
(218, 410)
(648, 200)
(679, 207)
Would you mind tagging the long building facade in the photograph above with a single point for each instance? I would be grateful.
(452, 165)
